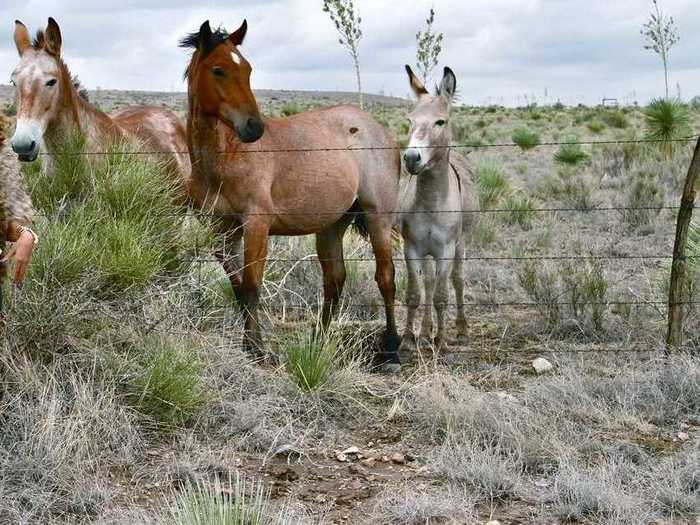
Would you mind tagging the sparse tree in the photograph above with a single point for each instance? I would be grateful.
(660, 35)
(347, 21)
(429, 48)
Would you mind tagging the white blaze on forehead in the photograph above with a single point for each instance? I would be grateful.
(236, 57)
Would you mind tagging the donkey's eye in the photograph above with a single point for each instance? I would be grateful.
(51, 82)
(218, 72)
(440, 123)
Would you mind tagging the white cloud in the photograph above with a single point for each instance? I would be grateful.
(501, 50)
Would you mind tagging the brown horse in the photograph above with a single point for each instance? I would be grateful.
(252, 174)
(50, 109)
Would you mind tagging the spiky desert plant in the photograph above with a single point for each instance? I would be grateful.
(525, 138)
(347, 21)
(429, 48)
(660, 35)
(667, 121)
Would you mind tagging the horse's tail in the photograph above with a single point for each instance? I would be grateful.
(359, 221)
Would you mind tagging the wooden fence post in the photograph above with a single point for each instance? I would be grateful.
(679, 268)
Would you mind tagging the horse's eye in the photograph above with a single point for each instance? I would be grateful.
(218, 72)
(440, 123)
(51, 82)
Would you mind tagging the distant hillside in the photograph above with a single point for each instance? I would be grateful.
(109, 99)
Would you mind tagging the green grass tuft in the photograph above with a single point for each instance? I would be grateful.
(310, 360)
(492, 184)
(570, 154)
(525, 138)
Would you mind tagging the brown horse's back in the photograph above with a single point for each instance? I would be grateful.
(159, 131)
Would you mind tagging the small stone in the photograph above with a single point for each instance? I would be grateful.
(341, 457)
(351, 450)
(541, 365)
(493, 522)
(683, 436)
(385, 459)
(398, 458)
(369, 462)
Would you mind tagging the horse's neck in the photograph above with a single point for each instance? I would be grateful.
(433, 186)
(207, 141)
(77, 116)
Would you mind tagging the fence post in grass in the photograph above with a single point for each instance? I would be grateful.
(679, 268)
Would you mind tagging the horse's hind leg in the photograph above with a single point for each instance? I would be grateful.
(458, 284)
(379, 227)
(329, 247)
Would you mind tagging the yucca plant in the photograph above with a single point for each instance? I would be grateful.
(520, 211)
(667, 121)
(570, 153)
(233, 502)
(311, 358)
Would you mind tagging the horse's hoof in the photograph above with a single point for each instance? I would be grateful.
(408, 343)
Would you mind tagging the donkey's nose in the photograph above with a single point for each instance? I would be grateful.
(412, 159)
(23, 146)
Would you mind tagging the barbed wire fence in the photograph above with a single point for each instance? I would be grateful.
(678, 297)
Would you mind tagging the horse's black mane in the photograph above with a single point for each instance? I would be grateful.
(39, 40)
(205, 45)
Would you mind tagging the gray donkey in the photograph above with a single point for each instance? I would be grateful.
(437, 206)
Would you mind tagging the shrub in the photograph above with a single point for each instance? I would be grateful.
(164, 381)
(491, 183)
(519, 211)
(596, 126)
(10, 109)
(667, 121)
(644, 200)
(616, 119)
(290, 108)
(525, 138)
(570, 153)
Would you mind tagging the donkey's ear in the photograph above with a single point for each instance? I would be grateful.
(53, 38)
(448, 85)
(416, 85)
(238, 36)
(205, 35)
(22, 39)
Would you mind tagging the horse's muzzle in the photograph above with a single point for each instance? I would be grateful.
(252, 131)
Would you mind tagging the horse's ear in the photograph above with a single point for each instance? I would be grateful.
(205, 35)
(448, 85)
(22, 39)
(238, 36)
(416, 85)
(53, 38)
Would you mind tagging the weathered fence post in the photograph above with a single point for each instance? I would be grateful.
(679, 268)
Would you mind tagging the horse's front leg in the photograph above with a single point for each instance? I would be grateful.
(255, 239)
(441, 297)
(231, 258)
(413, 296)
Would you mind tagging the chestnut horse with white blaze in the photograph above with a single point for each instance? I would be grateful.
(50, 109)
(251, 173)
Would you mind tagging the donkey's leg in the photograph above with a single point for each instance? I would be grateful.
(426, 330)
(413, 296)
(255, 238)
(231, 258)
(441, 298)
(458, 284)
(380, 226)
(329, 247)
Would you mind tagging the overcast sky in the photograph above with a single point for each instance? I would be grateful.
(501, 50)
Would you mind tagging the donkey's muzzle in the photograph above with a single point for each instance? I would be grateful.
(412, 160)
(27, 150)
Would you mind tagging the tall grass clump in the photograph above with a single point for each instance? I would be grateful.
(492, 184)
(234, 502)
(520, 211)
(164, 381)
(570, 153)
(114, 218)
(525, 138)
(616, 119)
(643, 200)
(668, 121)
